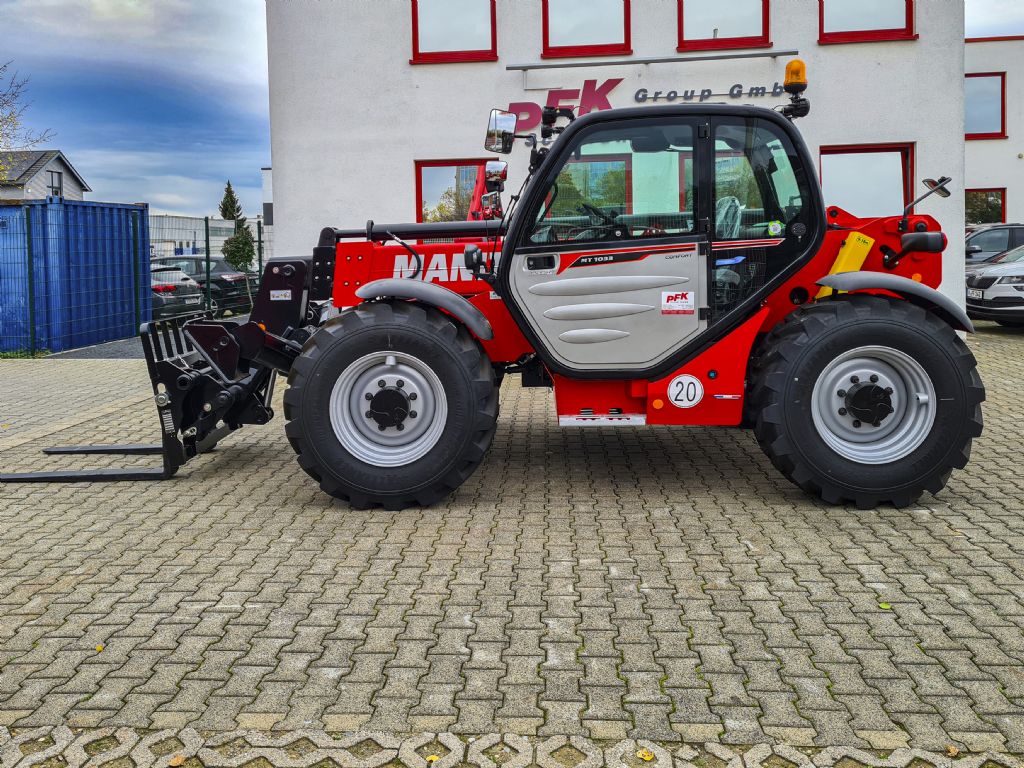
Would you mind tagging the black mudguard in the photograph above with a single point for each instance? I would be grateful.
(434, 295)
(916, 293)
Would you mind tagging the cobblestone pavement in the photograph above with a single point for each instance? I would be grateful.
(605, 586)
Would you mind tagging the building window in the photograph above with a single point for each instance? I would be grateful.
(985, 105)
(865, 21)
(55, 184)
(454, 30)
(710, 24)
(986, 206)
(444, 189)
(868, 179)
(594, 28)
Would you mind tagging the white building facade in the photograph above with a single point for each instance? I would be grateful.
(994, 106)
(378, 107)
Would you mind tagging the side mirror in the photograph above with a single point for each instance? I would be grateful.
(491, 200)
(501, 131)
(973, 249)
(496, 171)
(938, 187)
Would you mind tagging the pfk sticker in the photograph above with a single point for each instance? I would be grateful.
(677, 303)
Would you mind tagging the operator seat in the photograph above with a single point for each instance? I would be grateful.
(728, 214)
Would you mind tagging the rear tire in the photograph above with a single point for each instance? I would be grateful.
(866, 399)
(391, 404)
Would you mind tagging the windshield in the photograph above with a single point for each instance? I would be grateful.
(1017, 254)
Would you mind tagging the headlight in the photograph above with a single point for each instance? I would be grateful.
(1015, 280)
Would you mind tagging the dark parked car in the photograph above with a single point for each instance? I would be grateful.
(990, 240)
(229, 288)
(174, 292)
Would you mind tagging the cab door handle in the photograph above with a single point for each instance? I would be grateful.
(540, 262)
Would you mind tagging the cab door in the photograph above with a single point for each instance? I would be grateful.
(611, 271)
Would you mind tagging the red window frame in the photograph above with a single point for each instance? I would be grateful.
(1001, 191)
(996, 39)
(448, 57)
(906, 150)
(725, 43)
(1002, 107)
(420, 164)
(866, 35)
(625, 48)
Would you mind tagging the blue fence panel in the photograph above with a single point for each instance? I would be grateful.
(72, 274)
(15, 330)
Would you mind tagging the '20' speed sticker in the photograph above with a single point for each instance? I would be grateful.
(685, 391)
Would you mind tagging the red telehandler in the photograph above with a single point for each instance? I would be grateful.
(669, 265)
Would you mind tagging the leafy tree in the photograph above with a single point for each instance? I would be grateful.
(453, 205)
(984, 208)
(13, 133)
(240, 249)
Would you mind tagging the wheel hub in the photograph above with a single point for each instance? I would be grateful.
(873, 404)
(869, 403)
(389, 407)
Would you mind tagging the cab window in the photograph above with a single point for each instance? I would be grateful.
(764, 214)
(621, 183)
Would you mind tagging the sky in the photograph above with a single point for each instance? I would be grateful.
(162, 101)
(157, 101)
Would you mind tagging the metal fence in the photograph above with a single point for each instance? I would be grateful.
(192, 247)
(74, 274)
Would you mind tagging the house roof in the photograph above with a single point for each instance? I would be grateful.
(22, 166)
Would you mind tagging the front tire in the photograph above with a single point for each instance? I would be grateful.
(866, 399)
(391, 404)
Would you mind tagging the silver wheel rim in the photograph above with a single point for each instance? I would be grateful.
(911, 396)
(361, 434)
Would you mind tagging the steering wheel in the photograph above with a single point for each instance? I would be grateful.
(593, 210)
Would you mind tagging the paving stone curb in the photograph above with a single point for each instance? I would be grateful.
(100, 747)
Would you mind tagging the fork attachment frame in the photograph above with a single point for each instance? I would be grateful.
(209, 377)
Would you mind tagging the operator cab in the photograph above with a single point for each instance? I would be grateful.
(641, 229)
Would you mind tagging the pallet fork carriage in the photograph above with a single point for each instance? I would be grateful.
(707, 284)
(202, 386)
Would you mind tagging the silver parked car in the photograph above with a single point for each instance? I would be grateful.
(995, 290)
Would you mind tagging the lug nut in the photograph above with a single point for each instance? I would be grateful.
(381, 427)
(874, 378)
(369, 396)
(841, 393)
(413, 395)
(842, 411)
(400, 427)
(856, 424)
(888, 390)
(381, 383)
(400, 383)
(369, 414)
(855, 379)
(412, 414)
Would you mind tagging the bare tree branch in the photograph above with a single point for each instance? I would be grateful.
(13, 133)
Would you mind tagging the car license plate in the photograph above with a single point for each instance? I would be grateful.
(974, 293)
(194, 300)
